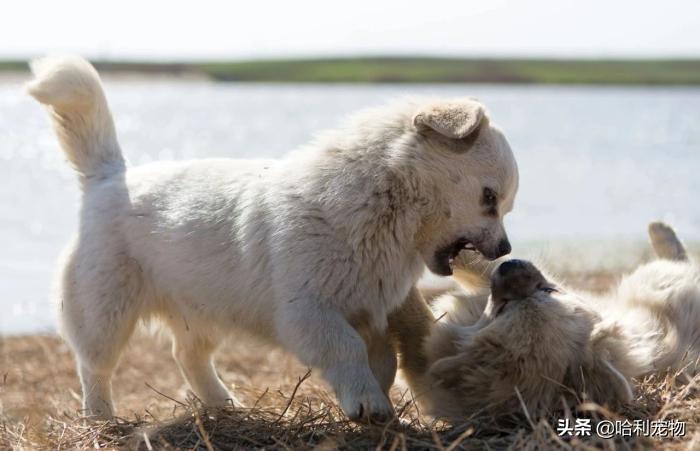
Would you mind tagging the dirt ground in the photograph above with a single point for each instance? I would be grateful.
(285, 409)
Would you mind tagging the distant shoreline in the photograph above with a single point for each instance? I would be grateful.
(417, 70)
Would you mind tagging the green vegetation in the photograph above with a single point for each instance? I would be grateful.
(441, 70)
(13, 65)
(426, 70)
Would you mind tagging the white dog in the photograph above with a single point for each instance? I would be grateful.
(311, 252)
(533, 335)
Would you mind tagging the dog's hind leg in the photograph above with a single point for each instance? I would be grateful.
(99, 307)
(665, 242)
(194, 357)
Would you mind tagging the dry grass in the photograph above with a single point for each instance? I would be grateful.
(40, 401)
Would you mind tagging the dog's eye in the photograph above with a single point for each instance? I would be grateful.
(489, 197)
(548, 290)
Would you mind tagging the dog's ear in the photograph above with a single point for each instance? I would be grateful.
(600, 374)
(601, 382)
(455, 120)
(447, 371)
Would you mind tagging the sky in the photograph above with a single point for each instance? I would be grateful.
(208, 29)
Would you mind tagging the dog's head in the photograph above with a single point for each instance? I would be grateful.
(537, 340)
(473, 177)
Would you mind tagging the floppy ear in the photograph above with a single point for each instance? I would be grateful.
(600, 374)
(454, 120)
(602, 383)
(447, 371)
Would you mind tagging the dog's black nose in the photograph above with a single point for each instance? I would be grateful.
(509, 266)
(503, 248)
(515, 279)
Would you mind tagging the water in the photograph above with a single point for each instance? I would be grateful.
(597, 163)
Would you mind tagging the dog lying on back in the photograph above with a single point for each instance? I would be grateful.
(533, 335)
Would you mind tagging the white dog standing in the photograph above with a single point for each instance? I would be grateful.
(311, 252)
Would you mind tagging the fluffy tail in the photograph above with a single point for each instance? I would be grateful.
(665, 242)
(72, 92)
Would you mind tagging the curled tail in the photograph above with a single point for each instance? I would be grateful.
(665, 242)
(72, 92)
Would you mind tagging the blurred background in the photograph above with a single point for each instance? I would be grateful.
(599, 99)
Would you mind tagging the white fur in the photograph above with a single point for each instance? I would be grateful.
(310, 252)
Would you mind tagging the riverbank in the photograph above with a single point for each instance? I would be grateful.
(393, 69)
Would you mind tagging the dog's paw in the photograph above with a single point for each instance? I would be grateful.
(369, 405)
(665, 242)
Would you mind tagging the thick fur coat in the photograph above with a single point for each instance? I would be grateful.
(311, 252)
(532, 339)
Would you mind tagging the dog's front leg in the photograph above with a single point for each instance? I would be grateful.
(322, 338)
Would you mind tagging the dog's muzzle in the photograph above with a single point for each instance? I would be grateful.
(515, 280)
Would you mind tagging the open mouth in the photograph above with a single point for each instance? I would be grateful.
(458, 246)
(446, 256)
